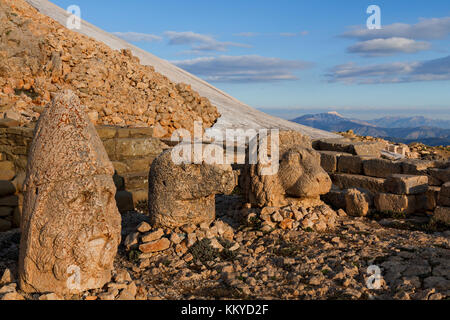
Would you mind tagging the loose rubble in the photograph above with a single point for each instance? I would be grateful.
(40, 57)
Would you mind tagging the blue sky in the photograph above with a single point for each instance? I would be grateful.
(290, 57)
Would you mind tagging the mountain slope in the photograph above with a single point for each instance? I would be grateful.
(335, 122)
(234, 114)
(410, 122)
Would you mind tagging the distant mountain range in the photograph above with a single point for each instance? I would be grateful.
(399, 129)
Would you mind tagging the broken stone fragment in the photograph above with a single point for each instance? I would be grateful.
(70, 222)
(442, 215)
(155, 246)
(357, 202)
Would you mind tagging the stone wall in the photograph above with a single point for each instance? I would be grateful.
(131, 150)
(393, 187)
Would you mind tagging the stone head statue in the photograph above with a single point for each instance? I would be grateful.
(70, 222)
(184, 193)
(299, 175)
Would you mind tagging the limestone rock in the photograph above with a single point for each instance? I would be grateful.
(395, 203)
(444, 195)
(348, 181)
(181, 194)
(70, 222)
(406, 184)
(7, 171)
(357, 202)
(381, 168)
(299, 174)
(6, 188)
(6, 278)
(155, 246)
(442, 214)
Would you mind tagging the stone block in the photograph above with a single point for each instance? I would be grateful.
(329, 160)
(334, 198)
(381, 168)
(337, 145)
(442, 215)
(428, 200)
(394, 203)
(5, 225)
(140, 164)
(416, 166)
(110, 147)
(7, 170)
(441, 175)
(348, 181)
(138, 147)
(6, 211)
(370, 149)
(350, 164)
(137, 180)
(120, 167)
(106, 132)
(444, 195)
(406, 184)
(6, 188)
(141, 132)
(9, 201)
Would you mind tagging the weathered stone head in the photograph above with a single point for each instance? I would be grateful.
(70, 222)
(181, 194)
(299, 174)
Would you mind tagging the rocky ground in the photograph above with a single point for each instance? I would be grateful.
(242, 262)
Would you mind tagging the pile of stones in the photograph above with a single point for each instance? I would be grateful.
(39, 57)
(294, 217)
(10, 183)
(146, 242)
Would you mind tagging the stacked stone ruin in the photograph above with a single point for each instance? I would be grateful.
(393, 187)
(416, 187)
(70, 218)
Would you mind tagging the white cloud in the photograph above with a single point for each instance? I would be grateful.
(249, 68)
(425, 29)
(429, 70)
(384, 47)
(137, 37)
(200, 42)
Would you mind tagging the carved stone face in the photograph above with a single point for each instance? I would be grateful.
(181, 194)
(301, 175)
(70, 222)
(75, 231)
